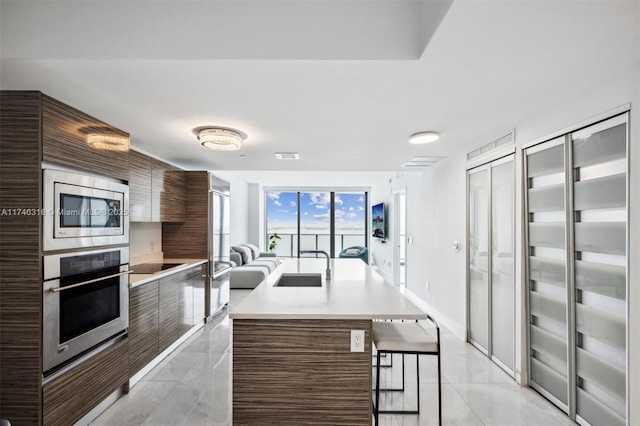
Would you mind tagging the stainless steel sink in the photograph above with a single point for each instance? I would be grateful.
(299, 280)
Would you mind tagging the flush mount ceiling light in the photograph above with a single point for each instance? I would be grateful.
(287, 155)
(220, 139)
(424, 137)
(108, 142)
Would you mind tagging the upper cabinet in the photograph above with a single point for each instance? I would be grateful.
(74, 139)
(139, 187)
(156, 190)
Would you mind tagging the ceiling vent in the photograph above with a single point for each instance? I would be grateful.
(506, 141)
(421, 161)
(287, 155)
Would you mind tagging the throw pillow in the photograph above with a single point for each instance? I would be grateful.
(247, 256)
(352, 252)
(254, 250)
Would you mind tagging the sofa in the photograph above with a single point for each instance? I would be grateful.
(252, 266)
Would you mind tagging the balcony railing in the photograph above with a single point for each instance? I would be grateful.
(288, 243)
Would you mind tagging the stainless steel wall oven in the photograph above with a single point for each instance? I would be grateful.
(85, 302)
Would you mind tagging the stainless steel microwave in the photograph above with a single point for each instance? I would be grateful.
(83, 211)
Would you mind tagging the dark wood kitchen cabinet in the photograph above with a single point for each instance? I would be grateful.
(143, 325)
(74, 139)
(199, 277)
(185, 301)
(139, 187)
(37, 129)
(175, 184)
(157, 190)
(68, 398)
(168, 320)
(162, 311)
(168, 185)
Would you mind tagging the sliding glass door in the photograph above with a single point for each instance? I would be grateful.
(349, 218)
(316, 220)
(282, 221)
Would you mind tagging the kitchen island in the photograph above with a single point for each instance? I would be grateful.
(292, 352)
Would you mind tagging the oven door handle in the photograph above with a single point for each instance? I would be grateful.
(56, 290)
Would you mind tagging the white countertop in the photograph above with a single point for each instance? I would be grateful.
(355, 291)
(140, 279)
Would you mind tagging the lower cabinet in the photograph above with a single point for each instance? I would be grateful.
(162, 311)
(185, 301)
(68, 398)
(168, 313)
(143, 326)
(199, 277)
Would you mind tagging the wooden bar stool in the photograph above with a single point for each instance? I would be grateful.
(405, 338)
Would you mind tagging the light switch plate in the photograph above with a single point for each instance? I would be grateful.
(357, 340)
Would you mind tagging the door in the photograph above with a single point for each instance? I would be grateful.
(502, 263)
(478, 264)
(491, 248)
(400, 237)
(547, 259)
(577, 271)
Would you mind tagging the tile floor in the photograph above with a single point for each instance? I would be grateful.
(192, 387)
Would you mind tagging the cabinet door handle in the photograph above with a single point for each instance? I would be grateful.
(56, 290)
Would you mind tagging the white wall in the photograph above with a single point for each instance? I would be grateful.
(443, 223)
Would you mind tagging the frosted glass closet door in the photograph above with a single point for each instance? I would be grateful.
(502, 242)
(600, 212)
(547, 265)
(479, 258)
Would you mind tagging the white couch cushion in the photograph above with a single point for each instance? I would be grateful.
(247, 254)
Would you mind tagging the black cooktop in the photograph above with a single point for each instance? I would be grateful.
(153, 268)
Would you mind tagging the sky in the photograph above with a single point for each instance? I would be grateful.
(282, 211)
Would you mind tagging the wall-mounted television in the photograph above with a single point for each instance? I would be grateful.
(378, 224)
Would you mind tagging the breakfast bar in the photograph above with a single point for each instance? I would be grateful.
(297, 357)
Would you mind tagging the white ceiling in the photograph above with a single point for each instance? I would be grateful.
(344, 83)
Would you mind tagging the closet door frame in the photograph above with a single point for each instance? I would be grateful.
(498, 159)
(527, 150)
(566, 134)
(478, 169)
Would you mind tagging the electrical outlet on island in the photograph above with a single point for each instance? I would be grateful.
(357, 340)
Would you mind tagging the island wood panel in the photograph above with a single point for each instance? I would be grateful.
(300, 372)
(139, 187)
(21, 276)
(168, 320)
(143, 326)
(189, 239)
(71, 396)
(65, 131)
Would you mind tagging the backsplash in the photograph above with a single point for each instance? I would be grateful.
(145, 242)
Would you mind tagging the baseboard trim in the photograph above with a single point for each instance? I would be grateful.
(442, 319)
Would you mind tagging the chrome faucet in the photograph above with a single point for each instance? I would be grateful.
(328, 272)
